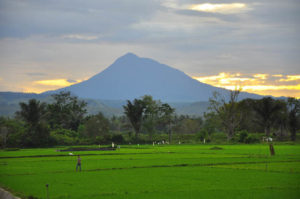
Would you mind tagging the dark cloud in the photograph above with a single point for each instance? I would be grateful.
(71, 81)
(25, 18)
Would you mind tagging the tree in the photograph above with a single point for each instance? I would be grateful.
(166, 114)
(96, 125)
(266, 110)
(228, 112)
(293, 117)
(147, 114)
(34, 114)
(12, 132)
(150, 115)
(248, 120)
(134, 111)
(66, 112)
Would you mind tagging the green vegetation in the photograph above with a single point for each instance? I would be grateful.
(160, 171)
(65, 121)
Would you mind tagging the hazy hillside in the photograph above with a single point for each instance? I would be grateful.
(9, 104)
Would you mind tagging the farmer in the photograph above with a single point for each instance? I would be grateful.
(78, 163)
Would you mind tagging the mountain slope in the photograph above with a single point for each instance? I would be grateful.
(131, 77)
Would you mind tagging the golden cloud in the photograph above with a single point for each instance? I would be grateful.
(263, 84)
(219, 8)
(289, 78)
(54, 82)
(45, 85)
(277, 75)
(261, 76)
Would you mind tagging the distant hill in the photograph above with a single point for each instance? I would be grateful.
(9, 104)
(131, 77)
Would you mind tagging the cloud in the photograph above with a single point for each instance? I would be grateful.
(230, 8)
(36, 74)
(260, 76)
(290, 78)
(264, 84)
(23, 19)
(56, 82)
(72, 81)
(80, 37)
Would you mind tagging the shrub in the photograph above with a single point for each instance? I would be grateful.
(242, 136)
(219, 137)
(251, 138)
(103, 139)
(202, 135)
(118, 139)
(64, 137)
(216, 148)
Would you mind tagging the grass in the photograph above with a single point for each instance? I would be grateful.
(165, 171)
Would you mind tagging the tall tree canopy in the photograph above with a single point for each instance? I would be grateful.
(96, 125)
(294, 116)
(227, 110)
(66, 112)
(33, 114)
(147, 113)
(134, 111)
(267, 110)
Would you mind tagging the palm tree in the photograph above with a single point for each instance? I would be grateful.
(33, 115)
(134, 111)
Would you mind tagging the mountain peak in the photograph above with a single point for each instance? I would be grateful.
(128, 55)
(131, 77)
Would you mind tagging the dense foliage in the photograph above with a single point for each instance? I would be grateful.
(145, 120)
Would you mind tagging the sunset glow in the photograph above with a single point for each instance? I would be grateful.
(55, 82)
(263, 84)
(46, 85)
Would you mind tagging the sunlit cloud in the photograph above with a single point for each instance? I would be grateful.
(263, 84)
(222, 8)
(56, 82)
(229, 8)
(46, 85)
(224, 78)
(290, 78)
(277, 75)
(261, 76)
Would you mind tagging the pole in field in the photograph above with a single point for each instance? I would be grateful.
(272, 151)
(47, 186)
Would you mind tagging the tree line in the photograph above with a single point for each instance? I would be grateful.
(277, 118)
(65, 122)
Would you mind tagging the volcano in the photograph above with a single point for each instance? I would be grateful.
(131, 77)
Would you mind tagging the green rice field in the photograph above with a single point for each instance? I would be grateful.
(162, 171)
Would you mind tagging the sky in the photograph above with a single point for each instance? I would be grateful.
(254, 44)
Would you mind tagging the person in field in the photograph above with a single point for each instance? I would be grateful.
(78, 163)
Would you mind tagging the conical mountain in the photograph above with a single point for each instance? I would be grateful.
(131, 77)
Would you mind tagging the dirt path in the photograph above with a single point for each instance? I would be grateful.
(6, 195)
